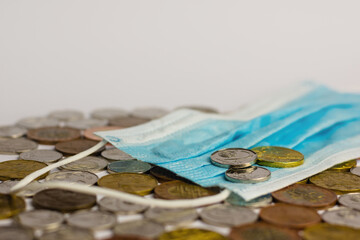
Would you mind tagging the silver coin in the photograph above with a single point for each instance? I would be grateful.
(66, 115)
(141, 228)
(17, 145)
(115, 154)
(351, 200)
(41, 219)
(171, 216)
(128, 166)
(68, 233)
(37, 122)
(258, 175)
(29, 191)
(227, 215)
(120, 207)
(355, 170)
(108, 113)
(90, 164)
(46, 156)
(149, 112)
(93, 220)
(86, 178)
(83, 124)
(15, 233)
(263, 201)
(342, 216)
(12, 131)
(233, 157)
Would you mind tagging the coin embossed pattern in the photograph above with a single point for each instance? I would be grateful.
(250, 175)
(278, 157)
(233, 157)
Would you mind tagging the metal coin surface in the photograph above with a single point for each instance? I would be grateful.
(128, 166)
(291, 216)
(181, 190)
(66, 115)
(262, 201)
(171, 216)
(41, 219)
(355, 171)
(141, 228)
(68, 233)
(135, 183)
(351, 200)
(345, 166)
(17, 145)
(18, 169)
(324, 231)
(128, 237)
(81, 177)
(89, 133)
(15, 233)
(93, 220)
(126, 122)
(46, 156)
(37, 122)
(259, 174)
(120, 207)
(108, 113)
(115, 154)
(83, 124)
(233, 157)
(279, 157)
(10, 205)
(163, 174)
(62, 200)
(75, 146)
(204, 109)
(340, 181)
(52, 135)
(12, 131)
(342, 216)
(149, 112)
(90, 164)
(227, 215)
(29, 191)
(191, 234)
(306, 195)
(263, 231)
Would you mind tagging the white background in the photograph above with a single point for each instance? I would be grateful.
(88, 54)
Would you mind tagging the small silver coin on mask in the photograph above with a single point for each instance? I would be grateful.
(258, 174)
(239, 157)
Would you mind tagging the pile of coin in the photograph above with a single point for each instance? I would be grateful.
(240, 162)
(325, 206)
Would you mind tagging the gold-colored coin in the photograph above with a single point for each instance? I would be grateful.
(18, 169)
(324, 231)
(343, 167)
(135, 183)
(191, 234)
(278, 157)
(338, 181)
(10, 205)
(181, 190)
(304, 181)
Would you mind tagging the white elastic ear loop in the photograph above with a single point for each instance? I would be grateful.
(31, 177)
(93, 190)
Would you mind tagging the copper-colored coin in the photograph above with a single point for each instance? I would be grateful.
(181, 190)
(18, 169)
(89, 133)
(52, 135)
(291, 216)
(135, 183)
(10, 205)
(63, 200)
(75, 146)
(306, 195)
(126, 122)
(263, 231)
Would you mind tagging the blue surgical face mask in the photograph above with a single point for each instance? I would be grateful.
(322, 124)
